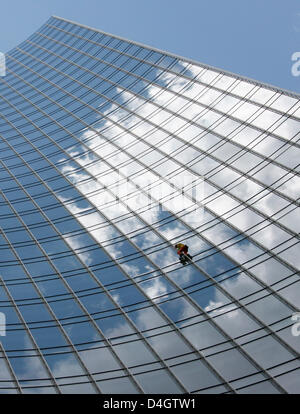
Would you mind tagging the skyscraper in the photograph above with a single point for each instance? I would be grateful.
(111, 153)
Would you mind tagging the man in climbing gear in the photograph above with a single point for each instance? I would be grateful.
(182, 251)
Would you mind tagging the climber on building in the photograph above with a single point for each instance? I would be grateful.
(182, 251)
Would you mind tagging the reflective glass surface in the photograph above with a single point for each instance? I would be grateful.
(110, 154)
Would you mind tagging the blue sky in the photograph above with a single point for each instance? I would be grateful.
(254, 38)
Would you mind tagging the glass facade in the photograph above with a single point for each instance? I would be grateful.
(111, 153)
